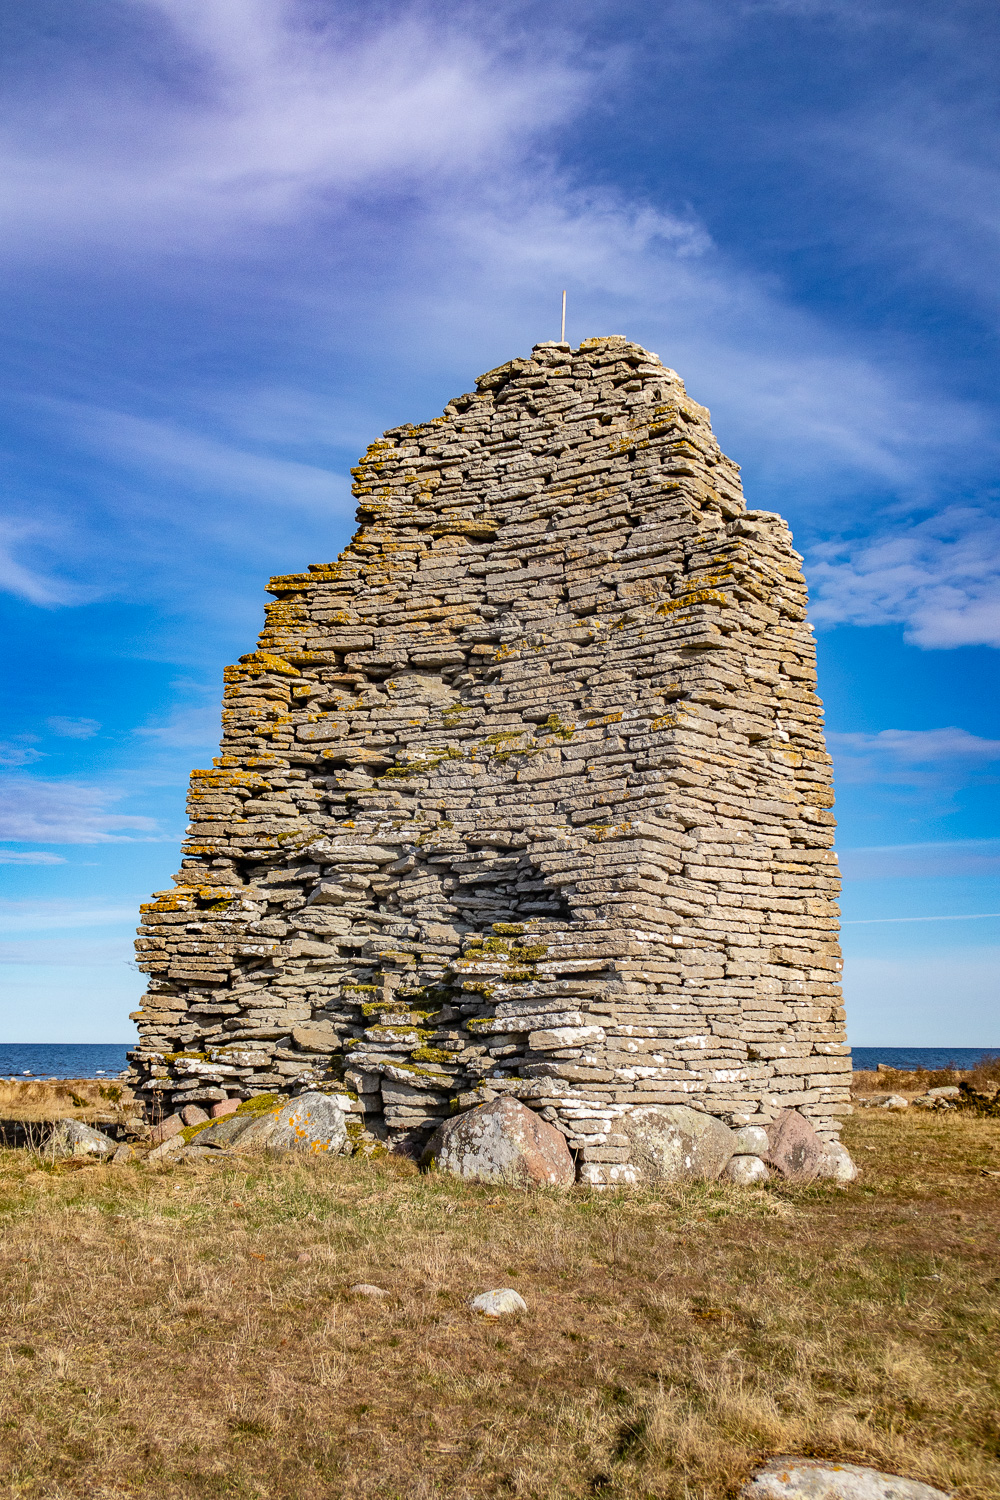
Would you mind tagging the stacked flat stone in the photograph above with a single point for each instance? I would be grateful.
(526, 794)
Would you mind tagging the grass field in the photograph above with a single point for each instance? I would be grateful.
(189, 1331)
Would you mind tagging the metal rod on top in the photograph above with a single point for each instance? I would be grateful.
(562, 329)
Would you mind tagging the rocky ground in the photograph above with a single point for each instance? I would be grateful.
(296, 1326)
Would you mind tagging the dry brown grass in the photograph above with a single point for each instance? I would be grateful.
(188, 1332)
(984, 1077)
(63, 1098)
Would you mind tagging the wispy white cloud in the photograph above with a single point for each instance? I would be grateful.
(51, 916)
(29, 857)
(64, 953)
(961, 858)
(940, 577)
(19, 751)
(283, 112)
(911, 757)
(165, 451)
(966, 916)
(25, 581)
(73, 729)
(33, 810)
(187, 727)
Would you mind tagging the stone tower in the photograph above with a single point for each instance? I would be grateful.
(527, 793)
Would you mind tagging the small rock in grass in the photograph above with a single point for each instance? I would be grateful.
(496, 1304)
(751, 1140)
(192, 1115)
(883, 1101)
(224, 1107)
(948, 1091)
(824, 1479)
(743, 1170)
(122, 1155)
(365, 1289)
(74, 1138)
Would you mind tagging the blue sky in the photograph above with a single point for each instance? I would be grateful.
(238, 238)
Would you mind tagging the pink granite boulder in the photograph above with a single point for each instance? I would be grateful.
(191, 1114)
(224, 1107)
(502, 1142)
(172, 1125)
(793, 1148)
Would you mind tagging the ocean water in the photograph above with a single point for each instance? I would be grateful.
(62, 1059)
(920, 1057)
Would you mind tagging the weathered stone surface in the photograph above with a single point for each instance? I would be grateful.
(316, 1036)
(74, 1138)
(313, 1123)
(794, 1149)
(882, 1101)
(172, 1125)
(192, 1115)
(224, 1107)
(488, 780)
(745, 1170)
(751, 1140)
(836, 1161)
(499, 1303)
(822, 1479)
(672, 1142)
(504, 1141)
(227, 1130)
(167, 1150)
(367, 1289)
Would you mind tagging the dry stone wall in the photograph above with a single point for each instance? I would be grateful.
(525, 795)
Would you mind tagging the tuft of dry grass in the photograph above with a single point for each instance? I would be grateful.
(189, 1331)
(63, 1098)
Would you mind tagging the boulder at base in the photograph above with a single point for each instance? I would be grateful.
(824, 1479)
(74, 1138)
(671, 1142)
(172, 1125)
(751, 1140)
(313, 1122)
(745, 1170)
(836, 1162)
(502, 1141)
(793, 1147)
